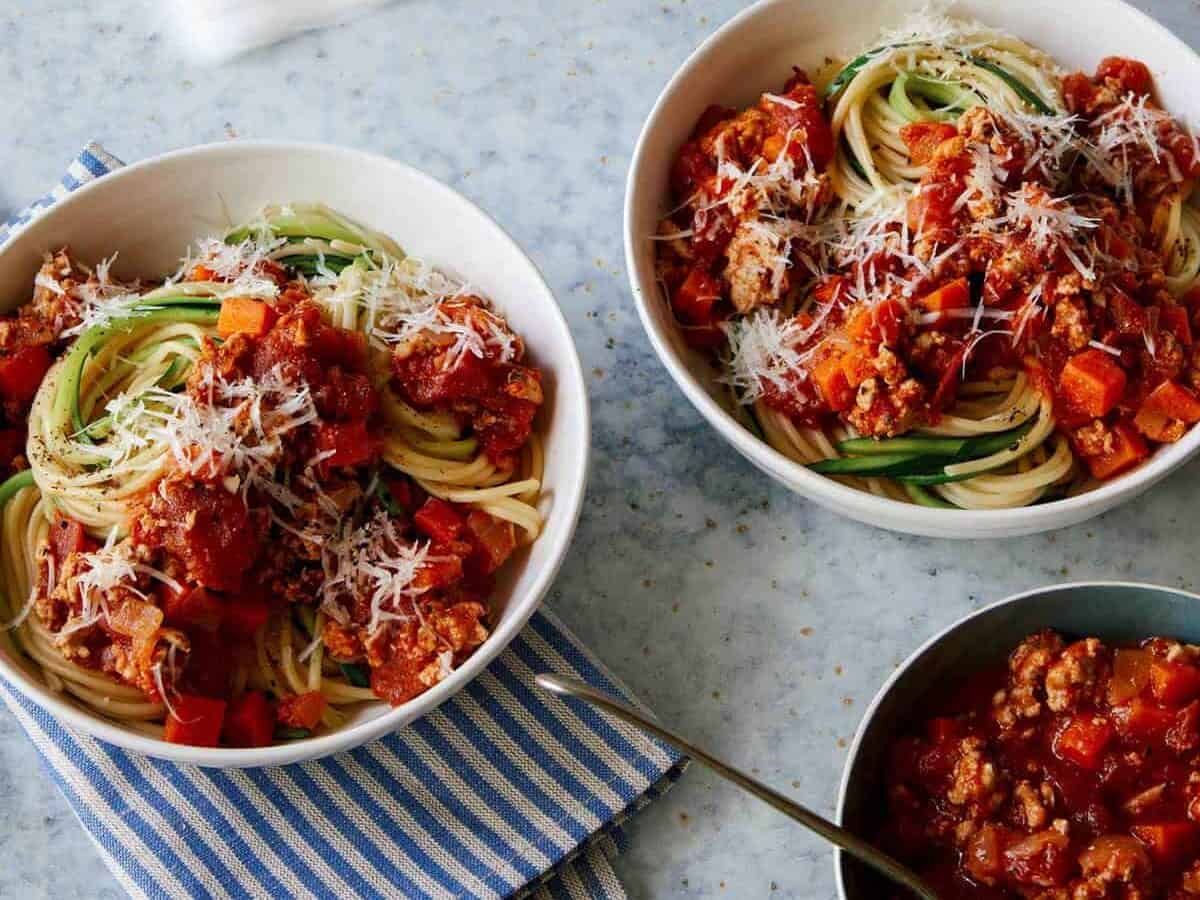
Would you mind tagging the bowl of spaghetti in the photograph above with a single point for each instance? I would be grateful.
(288, 458)
(937, 270)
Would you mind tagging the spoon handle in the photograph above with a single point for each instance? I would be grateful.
(851, 843)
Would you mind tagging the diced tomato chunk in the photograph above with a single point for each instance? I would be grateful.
(439, 520)
(1173, 683)
(931, 211)
(694, 299)
(1082, 740)
(494, 541)
(831, 380)
(194, 720)
(948, 381)
(21, 372)
(349, 443)
(1078, 92)
(249, 721)
(441, 569)
(691, 168)
(68, 536)
(1127, 315)
(1175, 320)
(302, 710)
(1169, 842)
(1128, 450)
(207, 528)
(1181, 146)
(922, 138)
(1093, 382)
(1130, 74)
(195, 607)
(802, 121)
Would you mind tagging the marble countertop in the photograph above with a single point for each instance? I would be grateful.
(749, 618)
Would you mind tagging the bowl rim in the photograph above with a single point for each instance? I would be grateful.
(901, 670)
(570, 494)
(845, 500)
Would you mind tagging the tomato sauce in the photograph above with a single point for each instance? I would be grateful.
(486, 385)
(1072, 772)
(1063, 271)
(30, 341)
(331, 361)
(217, 540)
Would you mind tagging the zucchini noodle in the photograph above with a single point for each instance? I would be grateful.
(1016, 476)
(922, 82)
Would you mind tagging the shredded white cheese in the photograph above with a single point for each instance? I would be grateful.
(374, 561)
(764, 348)
(1107, 348)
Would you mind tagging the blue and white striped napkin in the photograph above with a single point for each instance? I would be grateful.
(502, 790)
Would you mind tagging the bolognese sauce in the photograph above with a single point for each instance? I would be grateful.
(865, 264)
(1072, 773)
(265, 508)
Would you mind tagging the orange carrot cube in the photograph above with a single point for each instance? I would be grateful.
(245, 315)
(1093, 382)
(831, 380)
(1127, 451)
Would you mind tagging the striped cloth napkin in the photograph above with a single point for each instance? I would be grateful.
(501, 791)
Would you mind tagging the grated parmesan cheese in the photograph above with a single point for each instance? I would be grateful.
(373, 561)
(764, 347)
(237, 264)
(1107, 348)
(107, 568)
(1125, 138)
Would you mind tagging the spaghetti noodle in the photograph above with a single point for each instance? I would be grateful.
(273, 485)
(944, 272)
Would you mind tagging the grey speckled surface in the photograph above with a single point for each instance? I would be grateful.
(756, 622)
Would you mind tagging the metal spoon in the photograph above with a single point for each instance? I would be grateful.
(851, 843)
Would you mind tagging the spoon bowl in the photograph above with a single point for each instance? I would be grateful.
(1109, 610)
(836, 835)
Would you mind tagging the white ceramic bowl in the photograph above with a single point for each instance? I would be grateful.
(152, 210)
(754, 52)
